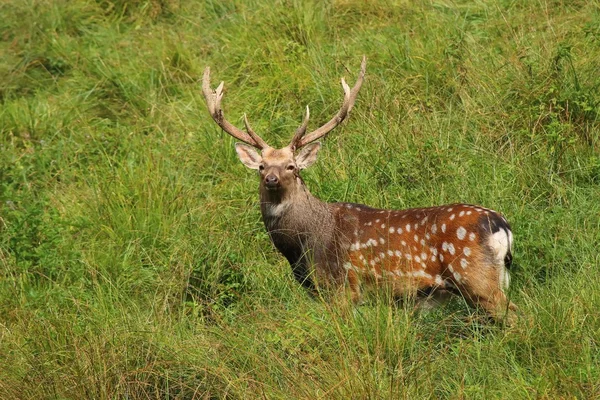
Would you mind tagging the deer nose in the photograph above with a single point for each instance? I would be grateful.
(271, 181)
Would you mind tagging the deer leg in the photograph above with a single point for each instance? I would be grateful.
(354, 286)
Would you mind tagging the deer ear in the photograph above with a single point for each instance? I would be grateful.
(308, 155)
(248, 155)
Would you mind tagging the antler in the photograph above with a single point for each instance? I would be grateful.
(299, 140)
(213, 102)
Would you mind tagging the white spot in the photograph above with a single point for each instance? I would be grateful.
(441, 257)
(416, 238)
(463, 263)
(381, 240)
(471, 236)
(433, 250)
(444, 228)
(399, 273)
(368, 223)
(423, 265)
(427, 236)
(382, 226)
(418, 259)
(433, 228)
(461, 233)
(452, 217)
(424, 256)
(422, 242)
(390, 253)
(462, 213)
(423, 274)
(445, 246)
(361, 257)
(407, 227)
(449, 209)
(451, 249)
(408, 256)
(467, 251)
(369, 243)
(355, 246)
(381, 256)
(377, 221)
(457, 277)
(403, 243)
(416, 226)
(469, 213)
(347, 266)
(450, 268)
(392, 230)
(438, 280)
(398, 253)
(432, 258)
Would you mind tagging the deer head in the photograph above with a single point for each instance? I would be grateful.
(278, 168)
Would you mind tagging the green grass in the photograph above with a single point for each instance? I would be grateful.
(133, 260)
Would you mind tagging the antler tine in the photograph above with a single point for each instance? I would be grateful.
(349, 99)
(213, 102)
(259, 141)
(300, 131)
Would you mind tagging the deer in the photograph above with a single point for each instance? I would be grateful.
(459, 248)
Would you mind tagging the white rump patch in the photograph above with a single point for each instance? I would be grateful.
(499, 243)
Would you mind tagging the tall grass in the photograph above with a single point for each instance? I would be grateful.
(133, 261)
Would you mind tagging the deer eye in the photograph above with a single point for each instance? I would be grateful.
(261, 167)
(291, 167)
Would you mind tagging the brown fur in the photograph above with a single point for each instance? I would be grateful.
(410, 251)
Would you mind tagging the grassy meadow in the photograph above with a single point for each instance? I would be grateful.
(133, 259)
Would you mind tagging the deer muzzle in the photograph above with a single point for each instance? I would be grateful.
(271, 181)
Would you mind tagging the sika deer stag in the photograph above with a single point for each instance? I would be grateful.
(456, 248)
